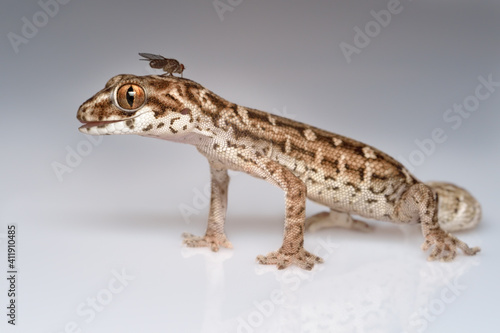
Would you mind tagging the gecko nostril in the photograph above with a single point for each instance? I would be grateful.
(185, 111)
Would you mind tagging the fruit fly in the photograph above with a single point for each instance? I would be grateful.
(170, 66)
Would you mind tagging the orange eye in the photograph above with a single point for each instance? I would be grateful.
(130, 96)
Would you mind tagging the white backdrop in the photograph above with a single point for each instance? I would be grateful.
(99, 219)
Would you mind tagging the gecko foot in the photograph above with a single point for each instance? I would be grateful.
(334, 219)
(302, 258)
(445, 246)
(214, 242)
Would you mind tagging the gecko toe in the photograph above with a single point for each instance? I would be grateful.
(445, 246)
(472, 251)
(214, 242)
(302, 259)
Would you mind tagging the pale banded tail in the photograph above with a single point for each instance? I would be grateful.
(458, 209)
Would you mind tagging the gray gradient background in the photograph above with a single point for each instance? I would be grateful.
(119, 208)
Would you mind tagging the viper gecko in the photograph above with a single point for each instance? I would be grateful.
(347, 176)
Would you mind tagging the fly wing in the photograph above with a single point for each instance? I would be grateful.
(155, 61)
(150, 56)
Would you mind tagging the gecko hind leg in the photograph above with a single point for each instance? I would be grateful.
(335, 219)
(419, 200)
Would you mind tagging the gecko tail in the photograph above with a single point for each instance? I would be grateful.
(457, 208)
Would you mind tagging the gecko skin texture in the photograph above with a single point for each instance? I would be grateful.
(347, 176)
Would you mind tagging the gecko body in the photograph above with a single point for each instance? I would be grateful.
(349, 177)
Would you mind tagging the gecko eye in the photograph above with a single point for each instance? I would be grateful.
(130, 97)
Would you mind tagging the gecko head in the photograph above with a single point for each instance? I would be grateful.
(144, 105)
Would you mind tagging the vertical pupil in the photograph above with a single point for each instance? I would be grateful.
(130, 96)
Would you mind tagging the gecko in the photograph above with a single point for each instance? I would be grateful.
(347, 176)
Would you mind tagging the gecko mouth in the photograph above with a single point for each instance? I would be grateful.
(90, 124)
(106, 127)
(103, 123)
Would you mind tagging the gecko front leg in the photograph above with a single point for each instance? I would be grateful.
(292, 250)
(215, 235)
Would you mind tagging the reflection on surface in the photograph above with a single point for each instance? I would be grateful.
(390, 288)
(214, 262)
